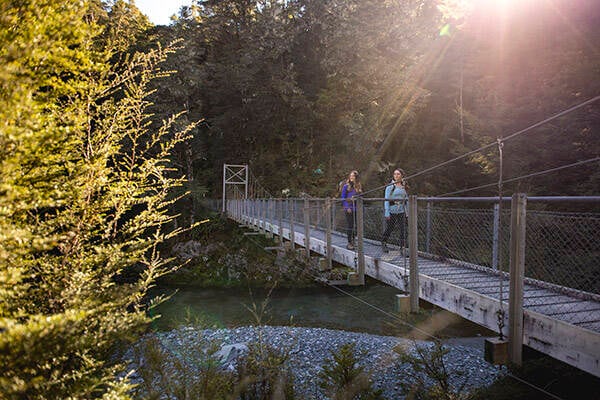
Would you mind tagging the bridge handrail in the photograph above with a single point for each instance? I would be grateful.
(487, 199)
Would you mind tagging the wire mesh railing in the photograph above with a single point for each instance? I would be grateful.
(563, 249)
(471, 235)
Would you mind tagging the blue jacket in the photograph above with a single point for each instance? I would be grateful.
(347, 193)
(397, 205)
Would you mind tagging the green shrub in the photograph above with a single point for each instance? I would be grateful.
(264, 375)
(343, 379)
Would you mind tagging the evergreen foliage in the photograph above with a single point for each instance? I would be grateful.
(429, 378)
(167, 373)
(264, 374)
(84, 195)
(306, 90)
(342, 378)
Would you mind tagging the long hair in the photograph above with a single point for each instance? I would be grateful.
(356, 185)
(402, 181)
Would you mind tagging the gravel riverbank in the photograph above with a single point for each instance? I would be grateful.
(310, 347)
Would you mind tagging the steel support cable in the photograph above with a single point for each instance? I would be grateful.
(523, 381)
(523, 176)
(261, 187)
(398, 319)
(487, 146)
(513, 135)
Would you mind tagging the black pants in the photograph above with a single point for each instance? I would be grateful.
(396, 220)
(350, 225)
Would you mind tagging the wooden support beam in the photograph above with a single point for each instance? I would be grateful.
(292, 231)
(280, 221)
(329, 248)
(360, 236)
(517, 273)
(307, 228)
(413, 250)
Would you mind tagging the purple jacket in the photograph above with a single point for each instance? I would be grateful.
(347, 193)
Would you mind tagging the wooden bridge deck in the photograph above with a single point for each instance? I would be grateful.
(556, 322)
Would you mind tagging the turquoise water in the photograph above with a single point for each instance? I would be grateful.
(323, 307)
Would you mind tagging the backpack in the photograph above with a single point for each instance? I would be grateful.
(340, 187)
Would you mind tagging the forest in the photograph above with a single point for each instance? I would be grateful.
(112, 130)
(305, 91)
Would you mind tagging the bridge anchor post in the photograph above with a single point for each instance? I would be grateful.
(517, 274)
(412, 247)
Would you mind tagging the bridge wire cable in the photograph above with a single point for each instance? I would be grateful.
(523, 381)
(257, 183)
(395, 317)
(523, 176)
(487, 146)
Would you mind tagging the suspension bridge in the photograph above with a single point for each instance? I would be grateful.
(468, 255)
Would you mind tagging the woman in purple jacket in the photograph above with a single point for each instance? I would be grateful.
(350, 189)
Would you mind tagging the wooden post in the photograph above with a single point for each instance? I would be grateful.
(360, 233)
(517, 273)
(428, 230)
(271, 218)
(255, 215)
(316, 224)
(259, 215)
(280, 222)
(292, 232)
(329, 248)
(263, 207)
(412, 245)
(307, 228)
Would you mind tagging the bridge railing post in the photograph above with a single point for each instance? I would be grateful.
(255, 215)
(360, 235)
(280, 220)
(328, 233)
(292, 230)
(247, 211)
(263, 216)
(517, 274)
(413, 252)
(307, 228)
(243, 211)
(271, 218)
(257, 203)
(428, 229)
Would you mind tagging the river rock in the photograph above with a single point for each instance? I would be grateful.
(309, 348)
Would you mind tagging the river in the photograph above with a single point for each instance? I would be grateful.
(323, 307)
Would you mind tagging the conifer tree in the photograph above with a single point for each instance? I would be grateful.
(84, 196)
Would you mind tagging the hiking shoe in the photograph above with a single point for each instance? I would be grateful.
(350, 246)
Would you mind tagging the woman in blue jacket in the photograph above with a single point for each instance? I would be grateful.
(350, 189)
(394, 209)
